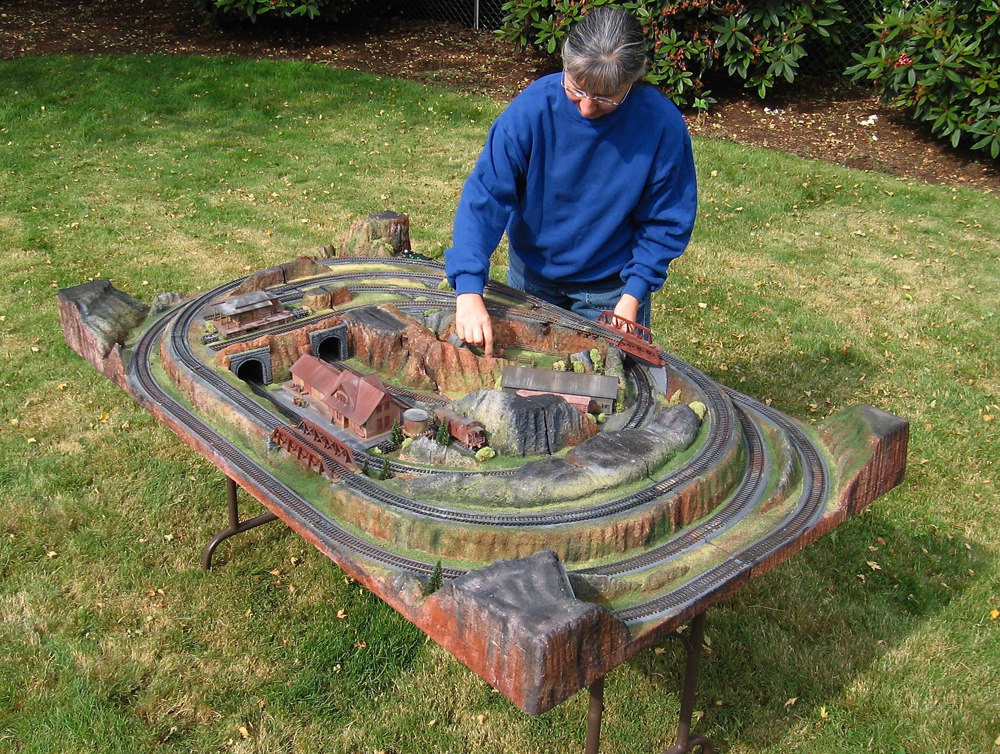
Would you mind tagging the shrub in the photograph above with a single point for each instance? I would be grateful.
(224, 11)
(941, 64)
(485, 453)
(436, 580)
(757, 41)
(597, 361)
(330, 10)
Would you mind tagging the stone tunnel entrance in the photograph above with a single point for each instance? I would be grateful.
(330, 345)
(251, 370)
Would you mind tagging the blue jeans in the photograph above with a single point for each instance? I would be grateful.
(587, 300)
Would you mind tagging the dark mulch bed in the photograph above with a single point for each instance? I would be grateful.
(817, 119)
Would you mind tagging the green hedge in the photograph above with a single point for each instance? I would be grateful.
(941, 64)
(758, 41)
(252, 10)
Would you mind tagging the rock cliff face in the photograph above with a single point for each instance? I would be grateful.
(285, 348)
(398, 345)
(303, 267)
(96, 320)
(533, 336)
(518, 622)
(325, 297)
(525, 426)
(384, 234)
(429, 452)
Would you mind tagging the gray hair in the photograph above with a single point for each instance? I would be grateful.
(605, 50)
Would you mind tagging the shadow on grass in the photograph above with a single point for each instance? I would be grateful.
(798, 638)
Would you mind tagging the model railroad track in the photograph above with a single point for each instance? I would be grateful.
(291, 502)
(744, 500)
(718, 404)
(816, 487)
(807, 512)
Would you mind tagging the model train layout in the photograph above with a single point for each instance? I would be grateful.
(577, 508)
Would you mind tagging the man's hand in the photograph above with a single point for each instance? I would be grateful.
(627, 308)
(472, 321)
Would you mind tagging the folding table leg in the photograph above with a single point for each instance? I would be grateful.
(685, 744)
(693, 643)
(235, 525)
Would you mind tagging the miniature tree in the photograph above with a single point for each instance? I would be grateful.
(436, 580)
(597, 360)
(364, 466)
(485, 453)
(385, 473)
(443, 435)
(396, 434)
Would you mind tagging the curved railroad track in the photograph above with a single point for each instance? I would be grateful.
(724, 407)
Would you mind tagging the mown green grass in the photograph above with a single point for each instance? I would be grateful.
(808, 285)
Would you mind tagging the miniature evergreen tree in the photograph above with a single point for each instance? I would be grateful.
(396, 434)
(385, 473)
(437, 578)
(443, 436)
(364, 466)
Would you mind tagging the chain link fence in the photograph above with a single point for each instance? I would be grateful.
(476, 14)
(828, 60)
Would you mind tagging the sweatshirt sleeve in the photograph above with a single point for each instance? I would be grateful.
(664, 217)
(488, 198)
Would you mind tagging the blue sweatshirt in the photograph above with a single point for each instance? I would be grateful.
(581, 200)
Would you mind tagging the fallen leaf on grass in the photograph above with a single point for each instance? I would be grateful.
(994, 614)
(244, 732)
(874, 566)
(791, 702)
(659, 651)
(341, 613)
(823, 713)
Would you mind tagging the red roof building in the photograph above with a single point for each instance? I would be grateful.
(358, 403)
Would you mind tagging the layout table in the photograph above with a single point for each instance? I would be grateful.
(555, 566)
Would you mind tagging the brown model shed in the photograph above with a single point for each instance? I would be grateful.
(248, 312)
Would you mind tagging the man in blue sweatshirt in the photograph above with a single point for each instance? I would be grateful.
(591, 175)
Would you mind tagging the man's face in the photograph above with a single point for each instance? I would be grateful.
(593, 104)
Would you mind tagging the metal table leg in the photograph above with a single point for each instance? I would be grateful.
(235, 525)
(685, 744)
(693, 643)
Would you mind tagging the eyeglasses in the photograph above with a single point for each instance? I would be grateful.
(579, 94)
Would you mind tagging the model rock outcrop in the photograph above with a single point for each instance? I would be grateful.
(298, 269)
(609, 460)
(96, 319)
(398, 345)
(525, 426)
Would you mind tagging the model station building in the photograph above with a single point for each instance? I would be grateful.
(357, 403)
(246, 313)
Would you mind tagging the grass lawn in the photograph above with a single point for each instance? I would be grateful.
(806, 284)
